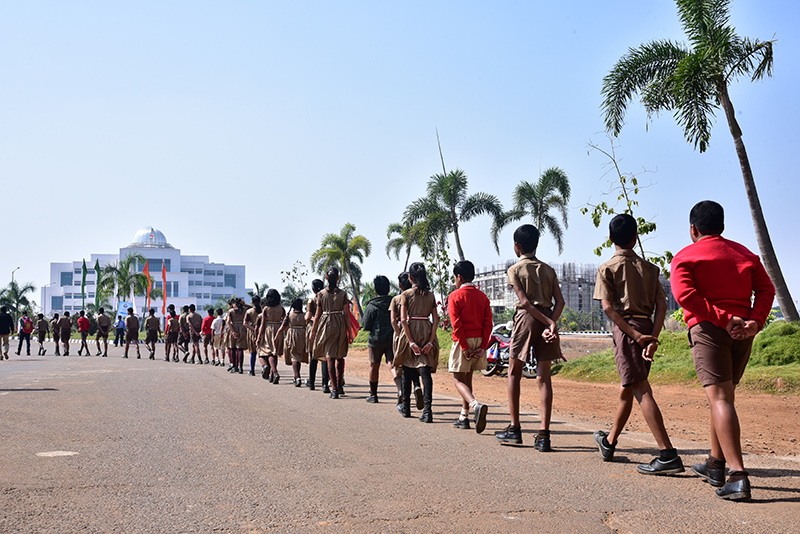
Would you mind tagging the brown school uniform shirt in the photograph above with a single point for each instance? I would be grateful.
(42, 325)
(152, 323)
(536, 278)
(132, 323)
(173, 325)
(183, 322)
(65, 324)
(54, 325)
(630, 283)
(196, 320)
(104, 322)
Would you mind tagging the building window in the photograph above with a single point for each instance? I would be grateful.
(230, 280)
(56, 303)
(66, 279)
(78, 270)
(90, 296)
(76, 283)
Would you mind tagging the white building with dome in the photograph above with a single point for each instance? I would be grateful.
(190, 279)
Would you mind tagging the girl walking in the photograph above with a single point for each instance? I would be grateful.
(294, 352)
(329, 333)
(269, 348)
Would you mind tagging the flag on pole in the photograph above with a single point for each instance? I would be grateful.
(83, 286)
(146, 272)
(164, 288)
(97, 285)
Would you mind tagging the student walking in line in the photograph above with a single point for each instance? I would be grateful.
(252, 322)
(103, 328)
(471, 318)
(294, 351)
(216, 332)
(152, 328)
(184, 337)
(237, 341)
(42, 327)
(119, 331)
(208, 335)
(397, 366)
(56, 329)
(24, 332)
(83, 330)
(539, 306)
(132, 333)
(65, 326)
(419, 345)
(329, 333)
(6, 327)
(195, 323)
(378, 322)
(714, 279)
(171, 333)
(629, 290)
(317, 285)
(269, 349)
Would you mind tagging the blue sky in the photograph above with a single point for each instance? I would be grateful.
(247, 130)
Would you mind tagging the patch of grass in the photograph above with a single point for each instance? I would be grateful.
(778, 344)
(777, 379)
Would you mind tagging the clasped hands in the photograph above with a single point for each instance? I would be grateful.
(739, 328)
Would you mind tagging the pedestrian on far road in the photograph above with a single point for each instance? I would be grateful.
(132, 333)
(195, 322)
(25, 329)
(103, 328)
(217, 326)
(65, 325)
(6, 327)
(42, 327)
(714, 279)
(119, 331)
(471, 317)
(208, 338)
(83, 330)
(152, 328)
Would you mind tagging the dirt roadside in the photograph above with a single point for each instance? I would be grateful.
(769, 422)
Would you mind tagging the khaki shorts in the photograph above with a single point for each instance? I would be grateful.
(42, 336)
(458, 360)
(631, 366)
(100, 335)
(527, 334)
(172, 338)
(84, 335)
(206, 340)
(131, 335)
(376, 353)
(219, 342)
(151, 336)
(717, 356)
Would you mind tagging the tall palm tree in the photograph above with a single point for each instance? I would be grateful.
(408, 236)
(537, 200)
(259, 290)
(447, 205)
(15, 297)
(124, 278)
(342, 250)
(692, 82)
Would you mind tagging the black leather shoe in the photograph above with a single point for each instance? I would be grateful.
(277, 379)
(334, 394)
(735, 491)
(341, 390)
(480, 417)
(510, 435)
(606, 453)
(405, 410)
(715, 477)
(426, 417)
(252, 373)
(659, 467)
(326, 389)
(462, 424)
(372, 399)
(419, 398)
(543, 444)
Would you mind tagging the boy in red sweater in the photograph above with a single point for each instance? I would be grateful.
(471, 317)
(713, 279)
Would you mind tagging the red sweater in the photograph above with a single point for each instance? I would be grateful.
(83, 324)
(470, 315)
(714, 278)
(206, 328)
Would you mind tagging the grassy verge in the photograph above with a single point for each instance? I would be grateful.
(774, 366)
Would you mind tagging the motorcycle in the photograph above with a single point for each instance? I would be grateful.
(497, 355)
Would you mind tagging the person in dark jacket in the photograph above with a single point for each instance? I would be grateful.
(378, 322)
(6, 327)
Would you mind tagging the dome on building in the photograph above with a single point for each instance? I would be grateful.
(149, 237)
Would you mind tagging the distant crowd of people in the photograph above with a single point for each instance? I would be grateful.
(713, 279)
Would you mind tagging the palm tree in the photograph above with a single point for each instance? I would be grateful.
(342, 250)
(447, 206)
(408, 236)
(124, 278)
(260, 290)
(692, 82)
(550, 192)
(291, 292)
(14, 297)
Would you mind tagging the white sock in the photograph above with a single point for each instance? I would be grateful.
(473, 404)
(464, 414)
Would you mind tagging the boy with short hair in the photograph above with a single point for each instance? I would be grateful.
(378, 322)
(208, 334)
(217, 326)
(629, 290)
(132, 333)
(471, 318)
(103, 329)
(83, 329)
(65, 325)
(24, 332)
(714, 280)
(195, 322)
(56, 329)
(539, 306)
(42, 327)
(152, 328)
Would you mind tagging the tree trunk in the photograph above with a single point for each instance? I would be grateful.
(458, 242)
(765, 247)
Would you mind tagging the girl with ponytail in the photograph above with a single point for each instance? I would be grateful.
(329, 333)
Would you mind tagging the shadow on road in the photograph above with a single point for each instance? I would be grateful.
(30, 389)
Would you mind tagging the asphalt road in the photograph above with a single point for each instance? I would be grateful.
(91, 444)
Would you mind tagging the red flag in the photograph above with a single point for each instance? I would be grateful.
(164, 288)
(146, 272)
